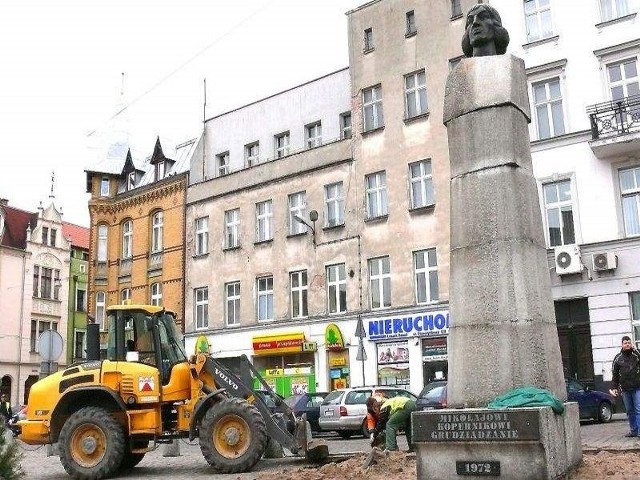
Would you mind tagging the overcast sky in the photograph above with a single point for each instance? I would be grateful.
(62, 62)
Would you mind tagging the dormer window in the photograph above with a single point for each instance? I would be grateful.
(131, 180)
(104, 187)
(160, 170)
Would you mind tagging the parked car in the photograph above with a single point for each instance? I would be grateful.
(591, 403)
(433, 396)
(309, 404)
(344, 410)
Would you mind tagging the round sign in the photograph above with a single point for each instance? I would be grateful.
(50, 345)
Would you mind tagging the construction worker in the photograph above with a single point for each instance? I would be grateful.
(5, 408)
(392, 415)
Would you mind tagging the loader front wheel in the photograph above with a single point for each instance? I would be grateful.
(91, 444)
(233, 436)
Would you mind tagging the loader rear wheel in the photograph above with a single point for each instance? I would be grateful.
(91, 444)
(233, 436)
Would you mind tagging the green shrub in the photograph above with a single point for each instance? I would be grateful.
(10, 455)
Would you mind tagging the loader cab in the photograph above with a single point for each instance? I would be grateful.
(145, 334)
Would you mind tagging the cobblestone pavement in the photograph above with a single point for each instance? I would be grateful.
(191, 465)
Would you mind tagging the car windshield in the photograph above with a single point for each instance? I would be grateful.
(435, 393)
(430, 386)
(291, 401)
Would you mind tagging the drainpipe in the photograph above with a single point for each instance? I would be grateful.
(24, 263)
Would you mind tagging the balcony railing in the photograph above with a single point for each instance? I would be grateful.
(617, 117)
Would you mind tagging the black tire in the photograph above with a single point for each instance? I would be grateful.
(605, 412)
(345, 434)
(130, 459)
(91, 444)
(233, 435)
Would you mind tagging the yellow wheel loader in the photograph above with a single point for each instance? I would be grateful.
(105, 414)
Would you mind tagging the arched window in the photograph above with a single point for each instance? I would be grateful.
(156, 294)
(100, 309)
(156, 232)
(127, 239)
(102, 243)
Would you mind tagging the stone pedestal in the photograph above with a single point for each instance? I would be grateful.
(522, 444)
(503, 333)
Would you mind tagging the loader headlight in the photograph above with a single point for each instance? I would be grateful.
(131, 399)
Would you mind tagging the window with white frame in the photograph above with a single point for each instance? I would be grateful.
(558, 206)
(160, 170)
(125, 295)
(281, 145)
(334, 204)
(376, 194)
(102, 243)
(410, 19)
(264, 219)
(612, 9)
(337, 288)
(222, 164)
(157, 223)
(79, 343)
(49, 236)
(345, 125)
(46, 282)
(368, 39)
(538, 19)
(131, 180)
(379, 283)
(201, 310)
(421, 184)
(634, 301)
(156, 294)
(415, 94)
(252, 154)
(372, 108)
(299, 293)
(232, 228)
(425, 266)
(232, 303)
(547, 100)
(297, 209)
(456, 8)
(104, 187)
(265, 298)
(127, 239)
(202, 235)
(81, 300)
(623, 78)
(101, 300)
(39, 326)
(630, 191)
(313, 134)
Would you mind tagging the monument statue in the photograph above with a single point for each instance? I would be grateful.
(484, 34)
(503, 334)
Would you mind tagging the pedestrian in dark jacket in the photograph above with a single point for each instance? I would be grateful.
(626, 380)
(5, 408)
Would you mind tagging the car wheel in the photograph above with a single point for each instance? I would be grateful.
(605, 412)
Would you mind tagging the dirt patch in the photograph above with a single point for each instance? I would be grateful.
(401, 466)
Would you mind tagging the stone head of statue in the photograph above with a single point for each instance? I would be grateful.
(484, 34)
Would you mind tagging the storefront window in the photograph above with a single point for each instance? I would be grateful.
(434, 358)
(393, 363)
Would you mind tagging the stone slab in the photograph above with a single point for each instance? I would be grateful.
(470, 153)
(483, 82)
(549, 450)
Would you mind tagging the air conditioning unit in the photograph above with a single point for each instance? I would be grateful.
(604, 261)
(567, 259)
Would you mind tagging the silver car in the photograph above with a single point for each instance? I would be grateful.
(344, 410)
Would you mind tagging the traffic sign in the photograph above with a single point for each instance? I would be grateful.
(50, 345)
(360, 332)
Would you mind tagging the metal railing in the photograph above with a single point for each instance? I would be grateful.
(616, 117)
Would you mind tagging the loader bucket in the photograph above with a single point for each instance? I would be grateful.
(315, 450)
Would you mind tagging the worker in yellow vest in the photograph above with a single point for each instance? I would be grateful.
(393, 414)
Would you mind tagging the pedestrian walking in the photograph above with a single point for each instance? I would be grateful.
(392, 415)
(5, 408)
(626, 381)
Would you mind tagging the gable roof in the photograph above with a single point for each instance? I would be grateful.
(78, 235)
(16, 222)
